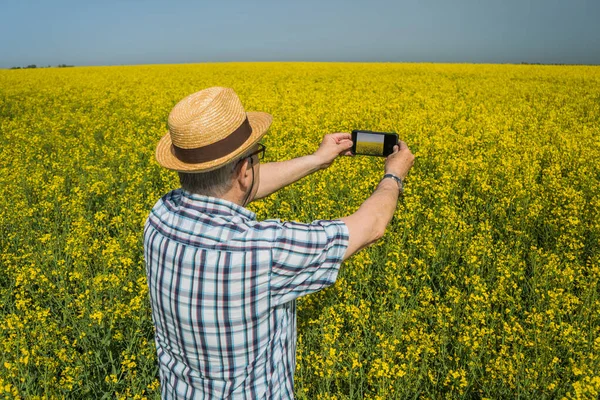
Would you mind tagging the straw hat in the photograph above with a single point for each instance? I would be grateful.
(208, 129)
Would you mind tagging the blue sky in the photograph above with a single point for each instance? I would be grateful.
(110, 32)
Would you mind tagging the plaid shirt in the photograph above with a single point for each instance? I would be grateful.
(223, 290)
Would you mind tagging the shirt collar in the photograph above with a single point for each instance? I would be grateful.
(214, 205)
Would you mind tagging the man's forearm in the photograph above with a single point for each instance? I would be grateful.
(368, 224)
(276, 175)
(381, 205)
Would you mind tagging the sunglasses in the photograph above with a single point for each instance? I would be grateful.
(260, 152)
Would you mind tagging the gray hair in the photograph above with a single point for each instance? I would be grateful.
(212, 183)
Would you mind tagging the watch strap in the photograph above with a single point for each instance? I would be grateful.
(394, 177)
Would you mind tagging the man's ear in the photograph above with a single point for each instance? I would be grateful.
(243, 170)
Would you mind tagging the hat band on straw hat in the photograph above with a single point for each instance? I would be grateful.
(215, 150)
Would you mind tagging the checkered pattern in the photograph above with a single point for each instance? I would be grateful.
(223, 290)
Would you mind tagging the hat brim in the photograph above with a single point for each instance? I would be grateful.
(259, 121)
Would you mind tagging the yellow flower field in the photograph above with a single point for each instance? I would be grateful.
(486, 284)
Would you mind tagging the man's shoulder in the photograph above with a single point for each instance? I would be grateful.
(300, 232)
(210, 231)
(161, 207)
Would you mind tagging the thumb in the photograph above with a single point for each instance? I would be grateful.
(346, 143)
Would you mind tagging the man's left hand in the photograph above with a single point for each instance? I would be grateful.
(333, 145)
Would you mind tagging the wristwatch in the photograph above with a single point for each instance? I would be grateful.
(398, 180)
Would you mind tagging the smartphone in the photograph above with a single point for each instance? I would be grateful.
(371, 143)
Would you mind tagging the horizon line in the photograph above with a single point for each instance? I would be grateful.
(296, 61)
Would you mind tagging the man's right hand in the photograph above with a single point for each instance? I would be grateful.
(400, 161)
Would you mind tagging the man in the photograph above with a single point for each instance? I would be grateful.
(223, 285)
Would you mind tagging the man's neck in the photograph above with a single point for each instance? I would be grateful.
(234, 195)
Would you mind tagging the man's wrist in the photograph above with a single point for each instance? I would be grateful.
(388, 184)
(393, 177)
(316, 163)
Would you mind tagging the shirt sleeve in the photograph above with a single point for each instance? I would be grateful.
(306, 258)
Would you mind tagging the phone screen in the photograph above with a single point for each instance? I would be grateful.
(372, 143)
(369, 143)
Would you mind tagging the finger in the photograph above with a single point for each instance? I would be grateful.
(396, 149)
(346, 143)
(347, 153)
(339, 136)
(402, 145)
